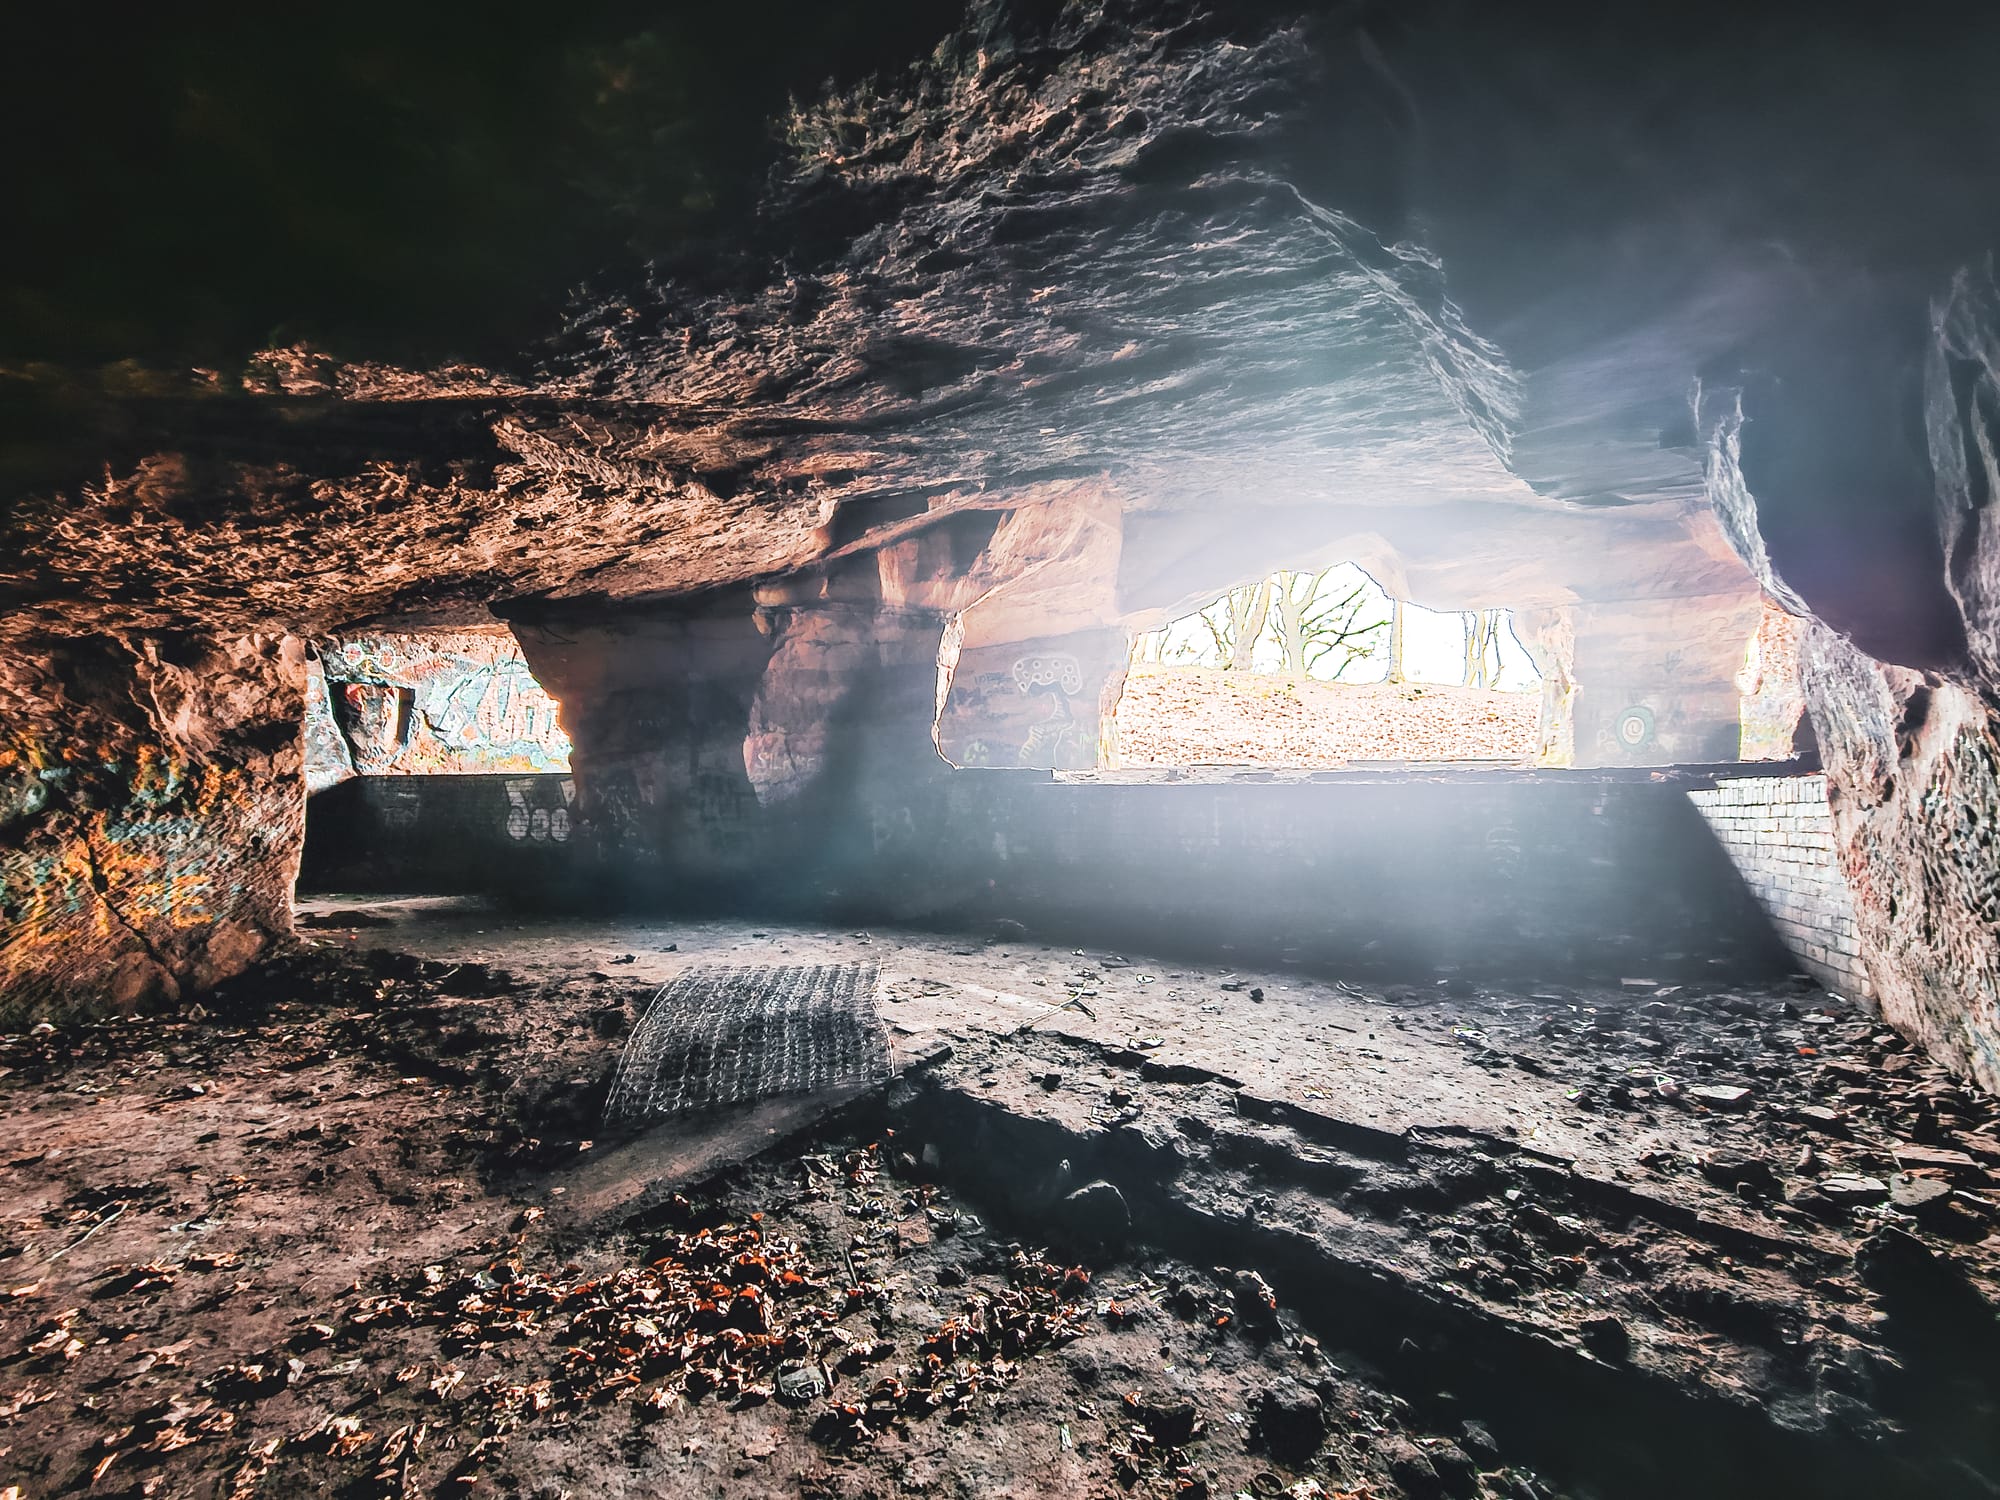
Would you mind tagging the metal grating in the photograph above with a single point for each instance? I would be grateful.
(721, 1036)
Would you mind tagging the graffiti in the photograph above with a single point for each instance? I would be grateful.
(1059, 741)
(443, 703)
(539, 812)
(401, 806)
(143, 870)
(1061, 672)
(1633, 729)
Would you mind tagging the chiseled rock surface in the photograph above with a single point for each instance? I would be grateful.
(152, 809)
(1914, 782)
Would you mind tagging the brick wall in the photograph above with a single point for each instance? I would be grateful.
(1540, 878)
(1778, 833)
(439, 833)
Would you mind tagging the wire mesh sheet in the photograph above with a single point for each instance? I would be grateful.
(718, 1036)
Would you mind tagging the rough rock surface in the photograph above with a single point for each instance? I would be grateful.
(1914, 782)
(151, 811)
(1911, 740)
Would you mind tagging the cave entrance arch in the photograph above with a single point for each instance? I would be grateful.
(433, 754)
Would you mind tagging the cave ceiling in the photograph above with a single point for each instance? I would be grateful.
(409, 323)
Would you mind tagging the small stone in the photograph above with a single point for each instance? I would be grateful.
(1847, 1188)
(1410, 1468)
(1917, 1194)
(1818, 1117)
(1257, 995)
(1292, 1420)
(1096, 1214)
(1733, 1169)
(1052, 1081)
(1477, 1441)
(1256, 1303)
(1455, 1470)
(1720, 1096)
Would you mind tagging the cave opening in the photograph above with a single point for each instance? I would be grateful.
(1322, 668)
(422, 747)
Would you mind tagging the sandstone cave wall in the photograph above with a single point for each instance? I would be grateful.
(1889, 547)
(152, 813)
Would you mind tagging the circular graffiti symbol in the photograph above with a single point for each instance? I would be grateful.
(1634, 727)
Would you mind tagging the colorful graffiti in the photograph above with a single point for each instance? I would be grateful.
(438, 703)
(134, 890)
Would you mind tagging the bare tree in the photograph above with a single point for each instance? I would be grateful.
(1396, 641)
(1311, 628)
(1236, 621)
(1482, 648)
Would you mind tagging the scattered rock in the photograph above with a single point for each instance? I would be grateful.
(1292, 1420)
(1411, 1468)
(1957, 1163)
(1095, 1214)
(1455, 1471)
(1984, 1146)
(1477, 1441)
(1720, 1096)
(1818, 1117)
(1734, 1169)
(1256, 1303)
(1918, 1194)
(1848, 1189)
(1607, 1338)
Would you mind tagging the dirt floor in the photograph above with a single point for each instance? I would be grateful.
(1192, 716)
(1117, 1227)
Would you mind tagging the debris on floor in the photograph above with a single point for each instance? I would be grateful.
(316, 1239)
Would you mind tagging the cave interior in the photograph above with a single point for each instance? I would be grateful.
(572, 915)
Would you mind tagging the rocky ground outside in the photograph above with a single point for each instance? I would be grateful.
(1189, 716)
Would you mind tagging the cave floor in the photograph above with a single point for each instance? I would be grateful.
(1119, 1226)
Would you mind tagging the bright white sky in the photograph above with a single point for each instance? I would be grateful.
(1433, 642)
